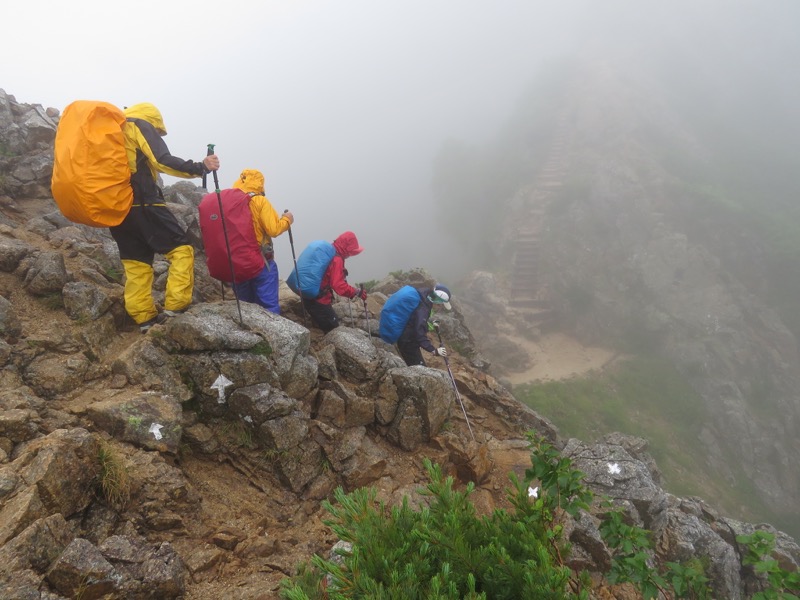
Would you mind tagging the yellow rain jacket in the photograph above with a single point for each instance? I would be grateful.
(267, 224)
(148, 154)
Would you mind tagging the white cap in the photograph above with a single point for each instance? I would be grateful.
(442, 296)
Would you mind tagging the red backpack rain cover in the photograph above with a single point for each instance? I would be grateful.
(245, 251)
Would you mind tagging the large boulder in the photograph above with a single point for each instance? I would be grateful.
(146, 419)
(145, 364)
(425, 397)
(285, 344)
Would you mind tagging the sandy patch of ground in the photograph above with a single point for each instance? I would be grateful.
(558, 356)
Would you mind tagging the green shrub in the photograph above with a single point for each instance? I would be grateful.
(779, 583)
(445, 550)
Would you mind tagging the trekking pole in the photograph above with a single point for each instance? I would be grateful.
(294, 259)
(366, 317)
(350, 310)
(205, 187)
(453, 380)
(227, 244)
(366, 314)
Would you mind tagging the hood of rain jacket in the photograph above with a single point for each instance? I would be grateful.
(347, 245)
(147, 112)
(250, 181)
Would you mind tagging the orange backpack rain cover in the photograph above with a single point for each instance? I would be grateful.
(91, 177)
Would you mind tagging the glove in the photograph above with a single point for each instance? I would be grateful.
(362, 293)
(441, 351)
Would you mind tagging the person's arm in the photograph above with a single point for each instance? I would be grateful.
(338, 282)
(420, 317)
(153, 146)
(269, 220)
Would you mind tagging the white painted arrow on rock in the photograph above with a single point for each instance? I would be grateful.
(220, 383)
(155, 429)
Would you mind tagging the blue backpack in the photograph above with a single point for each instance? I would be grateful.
(305, 279)
(396, 312)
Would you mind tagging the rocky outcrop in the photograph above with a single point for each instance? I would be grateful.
(27, 132)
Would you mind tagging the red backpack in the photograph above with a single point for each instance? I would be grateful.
(245, 252)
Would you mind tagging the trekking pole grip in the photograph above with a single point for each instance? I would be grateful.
(291, 240)
(209, 152)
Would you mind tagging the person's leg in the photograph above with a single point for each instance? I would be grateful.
(137, 260)
(410, 352)
(180, 278)
(246, 291)
(266, 287)
(166, 236)
(322, 315)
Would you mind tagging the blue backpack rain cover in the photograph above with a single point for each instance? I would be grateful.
(396, 312)
(305, 280)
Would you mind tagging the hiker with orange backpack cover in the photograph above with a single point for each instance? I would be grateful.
(150, 227)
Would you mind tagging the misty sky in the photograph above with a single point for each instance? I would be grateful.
(341, 104)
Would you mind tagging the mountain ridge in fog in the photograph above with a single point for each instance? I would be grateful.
(676, 239)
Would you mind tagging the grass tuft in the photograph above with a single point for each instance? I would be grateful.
(114, 480)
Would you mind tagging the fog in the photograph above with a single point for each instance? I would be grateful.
(344, 105)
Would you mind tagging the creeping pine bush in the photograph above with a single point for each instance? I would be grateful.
(446, 551)
(443, 551)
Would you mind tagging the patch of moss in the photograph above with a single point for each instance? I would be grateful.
(262, 348)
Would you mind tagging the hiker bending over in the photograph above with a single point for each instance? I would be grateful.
(250, 223)
(334, 280)
(415, 333)
(150, 227)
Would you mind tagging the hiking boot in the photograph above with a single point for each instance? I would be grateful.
(175, 313)
(159, 318)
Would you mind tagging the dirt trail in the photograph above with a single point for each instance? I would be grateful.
(557, 356)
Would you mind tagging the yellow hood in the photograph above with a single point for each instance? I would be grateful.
(250, 181)
(147, 112)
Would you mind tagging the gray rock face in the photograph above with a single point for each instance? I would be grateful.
(258, 403)
(10, 327)
(47, 274)
(36, 547)
(123, 567)
(284, 344)
(356, 356)
(611, 470)
(82, 570)
(146, 365)
(51, 374)
(148, 420)
(27, 131)
(344, 408)
(85, 301)
(681, 529)
(12, 252)
(54, 475)
(684, 536)
(425, 397)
